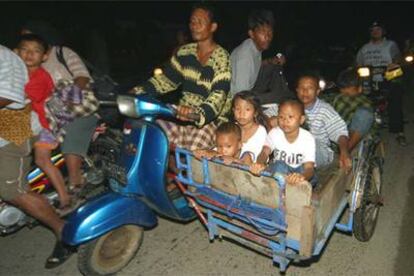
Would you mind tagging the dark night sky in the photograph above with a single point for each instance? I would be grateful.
(305, 24)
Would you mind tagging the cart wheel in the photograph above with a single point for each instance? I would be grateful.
(366, 216)
(109, 253)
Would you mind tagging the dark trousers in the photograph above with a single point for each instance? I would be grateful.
(393, 91)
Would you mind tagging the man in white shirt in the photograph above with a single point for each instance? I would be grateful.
(380, 52)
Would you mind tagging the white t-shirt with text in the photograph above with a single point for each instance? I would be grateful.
(294, 154)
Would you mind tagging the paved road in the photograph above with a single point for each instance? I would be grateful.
(176, 249)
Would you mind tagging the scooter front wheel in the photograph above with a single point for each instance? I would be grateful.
(111, 252)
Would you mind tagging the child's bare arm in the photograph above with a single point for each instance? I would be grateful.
(308, 170)
(257, 168)
(205, 153)
(264, 155)
(246, 159)
(295, 178)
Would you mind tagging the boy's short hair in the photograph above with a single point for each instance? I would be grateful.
(348, 78)
(229, 128)
(308, 74)
(212, 14)
(33, 38)
(259, 18)
(299, 105)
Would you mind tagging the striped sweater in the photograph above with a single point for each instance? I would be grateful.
(205, 88)
(326, 125)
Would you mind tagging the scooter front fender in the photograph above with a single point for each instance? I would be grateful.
(103, 214)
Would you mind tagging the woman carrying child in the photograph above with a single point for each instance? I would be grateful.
(293, 147)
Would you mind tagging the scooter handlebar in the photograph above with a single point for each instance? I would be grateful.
(108, 103)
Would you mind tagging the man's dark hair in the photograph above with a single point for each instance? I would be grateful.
(212, 14)
(259, 18)
(348, 78)
(308, 74)
(229, 128)
(35, 38)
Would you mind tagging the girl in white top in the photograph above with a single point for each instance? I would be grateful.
(249, 116)
(293, 147)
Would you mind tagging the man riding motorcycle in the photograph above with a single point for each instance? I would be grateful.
(380, 52)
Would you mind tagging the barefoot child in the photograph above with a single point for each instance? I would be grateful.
(32, 49)
(293, 147)
(248, 115)
(228, 146)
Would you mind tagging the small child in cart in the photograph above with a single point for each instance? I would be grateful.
(293, 147)
(228, 146)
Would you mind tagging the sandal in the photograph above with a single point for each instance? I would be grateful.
(60, 254)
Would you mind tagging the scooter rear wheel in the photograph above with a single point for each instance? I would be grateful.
(111, 252)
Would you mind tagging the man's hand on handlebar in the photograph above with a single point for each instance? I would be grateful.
(187, 113)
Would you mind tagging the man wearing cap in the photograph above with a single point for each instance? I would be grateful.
(380, 52)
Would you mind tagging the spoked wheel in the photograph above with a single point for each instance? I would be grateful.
(111, 252)
(366, 216)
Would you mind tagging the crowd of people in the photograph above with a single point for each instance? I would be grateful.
(240, 119)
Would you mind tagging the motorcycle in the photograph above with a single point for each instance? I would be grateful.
(109, 229)
(12, 219)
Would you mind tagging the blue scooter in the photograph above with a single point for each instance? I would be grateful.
(108, 230)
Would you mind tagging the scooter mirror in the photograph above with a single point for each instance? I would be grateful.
(127, 106)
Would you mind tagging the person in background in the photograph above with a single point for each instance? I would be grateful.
(354, 107)
(324, 123)
(246, 58)
(64, 64)
(380, 52)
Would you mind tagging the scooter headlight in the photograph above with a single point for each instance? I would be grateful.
(409, 58)
(127, 106)
(363, 72)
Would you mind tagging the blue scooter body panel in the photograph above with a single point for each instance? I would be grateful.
(105, 213)
(144, 154)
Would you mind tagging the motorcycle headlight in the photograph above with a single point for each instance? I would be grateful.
(322, 84)
(409, 58)
(157, 71)
(363, 72)
(127, 106)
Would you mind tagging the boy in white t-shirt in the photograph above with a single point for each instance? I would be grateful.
(228, 146)
(293, 147)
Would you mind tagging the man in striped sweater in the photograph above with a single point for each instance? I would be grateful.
(202, 69)
(324, 122)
